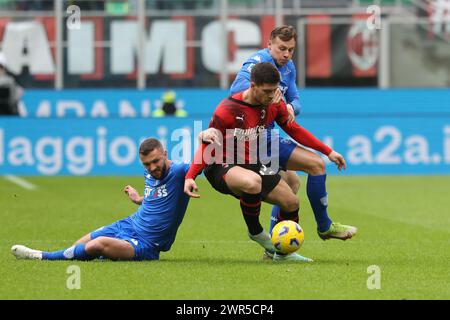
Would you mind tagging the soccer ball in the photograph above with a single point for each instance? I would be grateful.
(287, 236)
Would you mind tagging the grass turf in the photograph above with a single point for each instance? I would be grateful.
(404, 228)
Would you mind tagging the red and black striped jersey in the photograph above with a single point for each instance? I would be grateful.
(244, 128)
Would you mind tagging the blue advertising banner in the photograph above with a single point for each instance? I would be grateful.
(377, 131)
(119, 103)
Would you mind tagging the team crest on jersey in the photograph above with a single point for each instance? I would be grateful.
(159, 192)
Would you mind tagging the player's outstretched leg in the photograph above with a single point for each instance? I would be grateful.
(311, 163)
(318, 199)
(111, 248)
(76, 252)
(22, 252)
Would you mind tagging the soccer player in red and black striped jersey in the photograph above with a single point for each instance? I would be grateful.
(293, 157)
(235, 167)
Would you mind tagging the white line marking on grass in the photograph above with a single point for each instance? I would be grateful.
(20, 182)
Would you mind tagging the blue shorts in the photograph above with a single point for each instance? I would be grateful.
(283, 150)
(123, 230)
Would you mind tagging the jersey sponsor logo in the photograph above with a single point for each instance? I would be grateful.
(159, 192)
(249, 134)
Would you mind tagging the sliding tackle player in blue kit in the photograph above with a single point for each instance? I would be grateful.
(292, 156)
(144, 234)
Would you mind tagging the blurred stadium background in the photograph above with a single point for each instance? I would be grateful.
(97, 74)
(373, 79)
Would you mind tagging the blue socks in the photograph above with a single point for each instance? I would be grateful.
(274, 218)
(317, 195)
(77, 252)
(278, 215)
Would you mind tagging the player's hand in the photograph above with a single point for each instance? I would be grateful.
(338, 159)
(211, 135)
(189, 187)
(278, 96)
(132, 194)
(291, 112)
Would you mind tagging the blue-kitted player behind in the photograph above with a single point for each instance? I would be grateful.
(293, 157)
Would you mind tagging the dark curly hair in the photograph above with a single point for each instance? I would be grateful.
(264, 72)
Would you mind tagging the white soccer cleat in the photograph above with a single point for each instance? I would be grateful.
(264, 240)
(291, 257)
(22, 252)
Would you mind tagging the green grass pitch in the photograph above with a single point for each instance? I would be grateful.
(404, 229)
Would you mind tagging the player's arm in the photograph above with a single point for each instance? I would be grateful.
(216, 127)
(306, 138)
(291, 96)
(133, 195)
(210, 135)
(197, 166)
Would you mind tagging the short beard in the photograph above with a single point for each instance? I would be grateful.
(163, 172)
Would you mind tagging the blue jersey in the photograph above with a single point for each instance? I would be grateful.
(288, 76)
(163, 208)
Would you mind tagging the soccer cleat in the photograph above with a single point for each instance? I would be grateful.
(338, 231)
(22, 252)
(291, 257)
(264, 240)
(268, 255)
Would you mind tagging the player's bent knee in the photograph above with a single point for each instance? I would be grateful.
(95, 247)
(252, 184)
(316, 166)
